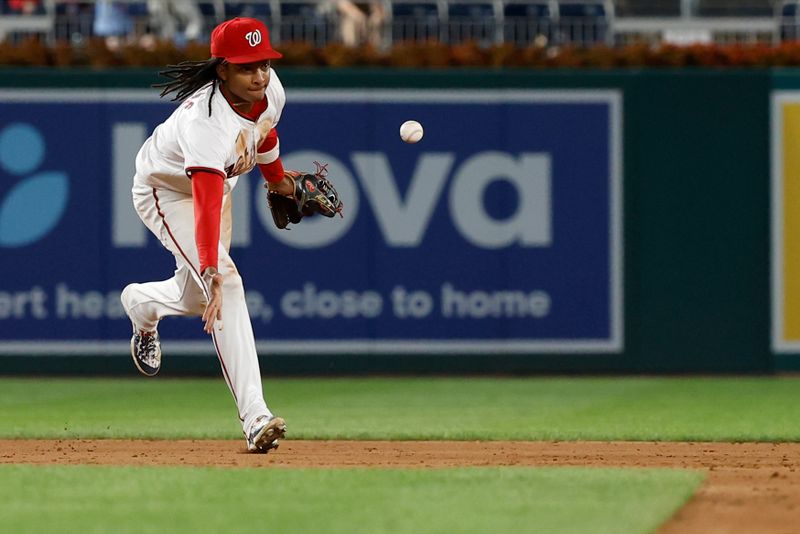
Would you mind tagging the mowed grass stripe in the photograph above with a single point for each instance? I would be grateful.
(676, 409)
(125, 499)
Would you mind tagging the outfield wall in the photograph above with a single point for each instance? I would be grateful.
(642, 244)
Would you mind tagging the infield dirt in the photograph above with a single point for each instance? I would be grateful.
(750, 487)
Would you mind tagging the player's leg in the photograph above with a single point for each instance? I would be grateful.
(149, 302)
(263, 432)
(235, 345)
(146, 303)
(170, 216)
(237, 349)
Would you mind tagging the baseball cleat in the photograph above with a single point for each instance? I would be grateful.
(145, 346)
(146, 352)
(265, 433)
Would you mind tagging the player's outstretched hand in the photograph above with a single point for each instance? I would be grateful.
(213, 312)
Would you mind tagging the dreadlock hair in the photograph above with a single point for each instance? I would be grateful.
(187, 77)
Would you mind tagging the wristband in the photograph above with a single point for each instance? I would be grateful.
(208, 275)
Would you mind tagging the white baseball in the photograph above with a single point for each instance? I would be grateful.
(411, 131)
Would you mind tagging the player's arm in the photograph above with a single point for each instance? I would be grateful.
(269, 162)
(207, 191)
(205, 151)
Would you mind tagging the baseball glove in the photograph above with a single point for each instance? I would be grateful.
(313, 193)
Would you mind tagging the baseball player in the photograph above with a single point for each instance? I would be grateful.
(185, 171)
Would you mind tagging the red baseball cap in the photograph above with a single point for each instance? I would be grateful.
(242, 40)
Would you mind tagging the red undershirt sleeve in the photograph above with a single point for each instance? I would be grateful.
(272, 172)
(207, 190)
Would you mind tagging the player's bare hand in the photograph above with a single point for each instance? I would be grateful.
(213, 312)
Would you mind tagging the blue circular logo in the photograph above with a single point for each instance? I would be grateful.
(21, 148)
(33, 206)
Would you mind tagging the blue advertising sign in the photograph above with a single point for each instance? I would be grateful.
(499, 232)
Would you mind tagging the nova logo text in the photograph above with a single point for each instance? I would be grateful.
(438, 182)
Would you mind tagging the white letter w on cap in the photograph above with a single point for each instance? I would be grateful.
(254, 37)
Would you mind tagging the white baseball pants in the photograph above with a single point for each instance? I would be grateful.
(170, 216)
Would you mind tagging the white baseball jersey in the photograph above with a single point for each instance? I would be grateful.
(226, 142)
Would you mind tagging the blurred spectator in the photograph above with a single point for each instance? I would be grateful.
(167, 15)
(361, 22)
(111, 21)
(25, 7)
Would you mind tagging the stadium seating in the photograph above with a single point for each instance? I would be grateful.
(525, 21)
(734, 8)
(647, 8)
(584, 22)
(789, 17)
(305, 20)
(260, 10)
(474, 20)
(416, 20)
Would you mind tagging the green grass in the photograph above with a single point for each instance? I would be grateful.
(126, 499)
(679, 409)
